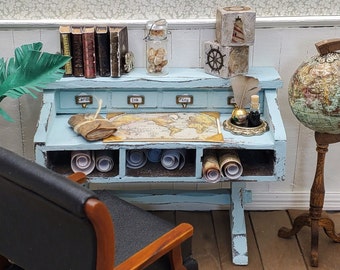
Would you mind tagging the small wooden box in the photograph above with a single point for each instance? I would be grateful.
(225, 61)
(235, 26)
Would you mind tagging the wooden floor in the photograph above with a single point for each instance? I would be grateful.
(211, 241)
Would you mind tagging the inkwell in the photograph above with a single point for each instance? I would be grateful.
(254, 112)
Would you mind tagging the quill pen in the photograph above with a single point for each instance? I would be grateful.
(244, 87)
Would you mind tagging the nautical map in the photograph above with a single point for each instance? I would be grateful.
(175, 126)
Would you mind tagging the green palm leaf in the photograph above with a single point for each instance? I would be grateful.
(30, 70)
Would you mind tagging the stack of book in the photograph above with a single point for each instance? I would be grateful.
(95, 50)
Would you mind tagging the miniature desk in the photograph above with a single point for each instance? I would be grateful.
(263, 156)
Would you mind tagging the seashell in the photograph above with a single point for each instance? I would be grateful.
(151, 59)
(164, 63)
(151, 51)
(158, 68)
(157, 33)
(158, 59)
(161, 51)
(151, 68)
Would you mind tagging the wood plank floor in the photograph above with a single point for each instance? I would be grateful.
(211, 241)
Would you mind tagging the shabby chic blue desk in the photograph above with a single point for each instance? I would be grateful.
(263, 156)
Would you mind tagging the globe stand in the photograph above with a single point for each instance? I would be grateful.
(315, 218)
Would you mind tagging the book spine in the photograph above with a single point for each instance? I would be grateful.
(123, 48)
(114, 54)
(65, 46)
(77, 52)
(103, 53)
(89, 52)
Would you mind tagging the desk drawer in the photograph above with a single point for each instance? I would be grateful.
(66, 100)
(171, 99)
(125, 100)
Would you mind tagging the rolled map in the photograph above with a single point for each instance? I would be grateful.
(230, 164)
(211, 167)
(92, 127)
(104, 161)
(173, 159)
(136, 159)
(82, 161)
(154, 155)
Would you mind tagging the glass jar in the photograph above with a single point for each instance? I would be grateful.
(157, 47)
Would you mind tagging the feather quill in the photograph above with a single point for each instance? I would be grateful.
(244, 87)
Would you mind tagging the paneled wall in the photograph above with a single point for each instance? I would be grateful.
(283, 43)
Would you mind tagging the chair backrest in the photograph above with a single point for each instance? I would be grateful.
(43, 224)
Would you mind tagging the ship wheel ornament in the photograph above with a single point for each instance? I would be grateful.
(215, 59)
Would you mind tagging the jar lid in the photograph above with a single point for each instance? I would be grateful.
(156, 29)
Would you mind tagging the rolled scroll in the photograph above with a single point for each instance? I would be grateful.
(82, 161)
(91, 126)
(211, 168)
(154, 155)
(104, 161)
(230, 164)
(172, 159)
(136, 159)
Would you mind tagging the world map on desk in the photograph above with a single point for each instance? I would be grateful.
(176, 126)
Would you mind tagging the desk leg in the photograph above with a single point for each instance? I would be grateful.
(237, 224)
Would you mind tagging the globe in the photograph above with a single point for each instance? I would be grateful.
(314, 93)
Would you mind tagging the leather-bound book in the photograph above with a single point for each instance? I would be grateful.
(77, 51)
(102, 51)
(65, 46)
(89, 52)
(119, 46)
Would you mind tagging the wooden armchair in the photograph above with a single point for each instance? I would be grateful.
(51, 223)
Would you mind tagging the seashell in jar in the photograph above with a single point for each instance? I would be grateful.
(157, 33)
(161, 51)
(151, 59)
(158, 68)
(164, 63)
(151, 68)
(158, 59)
(151, 51)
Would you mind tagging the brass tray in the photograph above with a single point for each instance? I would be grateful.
(244, 130)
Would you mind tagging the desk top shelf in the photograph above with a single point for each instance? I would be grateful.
(177, 77)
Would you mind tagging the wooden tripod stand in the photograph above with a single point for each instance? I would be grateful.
(315, 219)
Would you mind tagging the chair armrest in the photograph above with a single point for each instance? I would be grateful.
(163, 245)
(78, 177)
(100, 218)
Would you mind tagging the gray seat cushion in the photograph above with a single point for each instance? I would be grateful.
(135, 228)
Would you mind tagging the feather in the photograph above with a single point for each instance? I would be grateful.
(244, 87)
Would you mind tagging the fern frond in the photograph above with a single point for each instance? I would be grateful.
(21, 52)
(5, 116)
(29, 70)
(2, 70)
(36, 69)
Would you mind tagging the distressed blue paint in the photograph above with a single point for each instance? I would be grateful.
(177, 78)
(156, 197)
(238, 224)
(210, 94)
